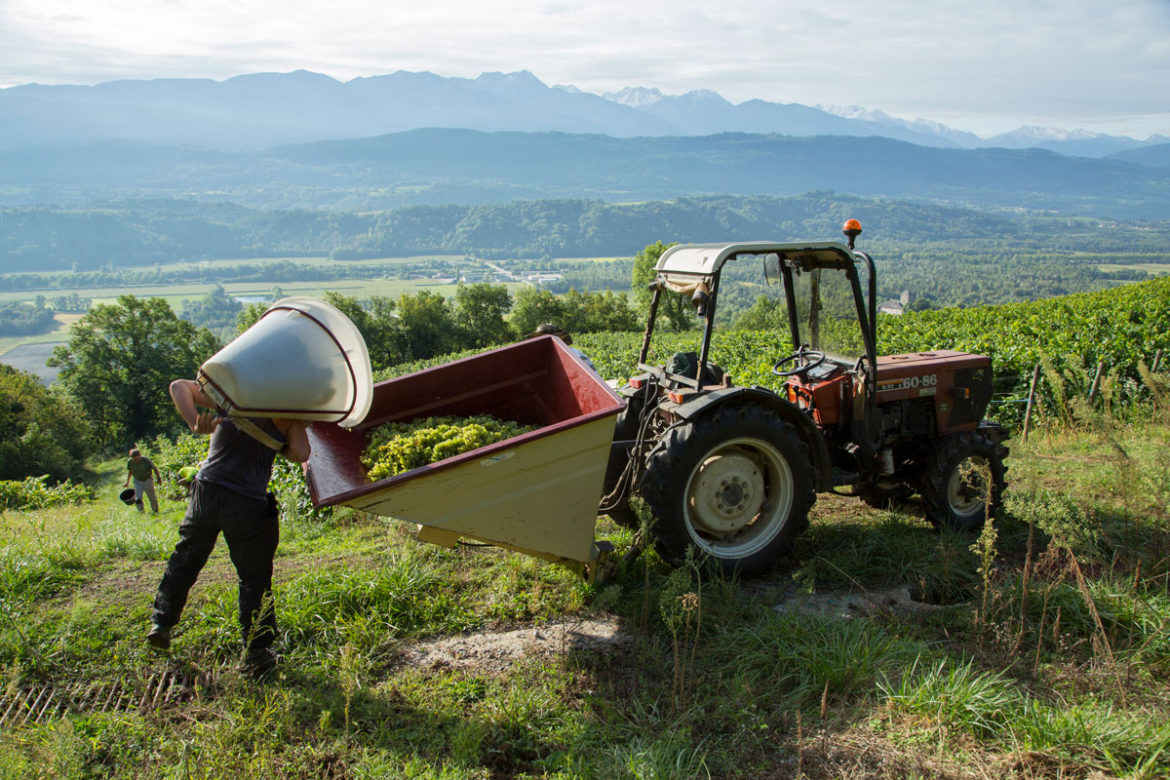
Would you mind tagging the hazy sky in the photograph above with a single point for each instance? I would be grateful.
(981, 65)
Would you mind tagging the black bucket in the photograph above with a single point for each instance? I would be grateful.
(127, 496)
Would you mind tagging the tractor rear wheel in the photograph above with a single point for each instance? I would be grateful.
(962, 481)
(736, 486)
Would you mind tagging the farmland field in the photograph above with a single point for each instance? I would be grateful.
(226, 263)
(175, 294)
(1156, 269)
(59, 333)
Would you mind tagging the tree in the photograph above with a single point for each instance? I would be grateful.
(428, 325)
(249, 315)
(376, 321)
(576, 312)
(672, 307)
(591, 312)
(216, 311)
(19, 319)
(765, 314)
(120, 360)
(534, 306)
(480, 309)
(922, 303)
(41, 431)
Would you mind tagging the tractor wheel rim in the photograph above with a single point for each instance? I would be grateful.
(967, 487)
(738, 498)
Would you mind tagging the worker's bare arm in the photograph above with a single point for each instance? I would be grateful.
(188, 397)
(296, 436)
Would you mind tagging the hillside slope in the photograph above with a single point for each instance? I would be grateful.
(443, 166)
(879, 649)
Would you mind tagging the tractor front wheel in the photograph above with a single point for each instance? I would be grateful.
(962, 481)
(736, 486)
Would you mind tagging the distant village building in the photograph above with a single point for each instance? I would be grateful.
(897, 306)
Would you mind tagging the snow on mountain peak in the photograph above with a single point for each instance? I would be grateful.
(1036, 133)
(635, 97)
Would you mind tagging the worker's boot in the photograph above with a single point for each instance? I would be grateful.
(258, 662)
(159, 636)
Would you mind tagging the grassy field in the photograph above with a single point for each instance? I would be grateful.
(880, 649)
(1156, 269)
(60, 332)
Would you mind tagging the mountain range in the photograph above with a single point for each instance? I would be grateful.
(303, 140)
(259, 110)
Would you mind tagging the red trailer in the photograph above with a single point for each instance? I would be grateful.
(536, 493)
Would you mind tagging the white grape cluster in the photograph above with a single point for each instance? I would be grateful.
(397, 447)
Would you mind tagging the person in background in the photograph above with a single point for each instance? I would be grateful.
(230, 496)
(141, 469)
(548, 329)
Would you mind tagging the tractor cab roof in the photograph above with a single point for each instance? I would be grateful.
(707, 259)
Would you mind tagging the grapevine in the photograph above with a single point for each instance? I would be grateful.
(1121, 327)
(397, 447)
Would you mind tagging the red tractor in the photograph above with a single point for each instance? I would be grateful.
(733, 471)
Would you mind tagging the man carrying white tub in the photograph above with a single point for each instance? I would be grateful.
(230, 495)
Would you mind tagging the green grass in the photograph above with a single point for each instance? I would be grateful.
(1047, 674)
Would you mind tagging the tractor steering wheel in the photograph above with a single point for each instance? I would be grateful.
(815, 356)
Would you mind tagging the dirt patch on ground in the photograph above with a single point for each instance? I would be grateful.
(895, 601)
(498, 652)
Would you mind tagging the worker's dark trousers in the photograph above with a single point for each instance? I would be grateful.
(251, 529)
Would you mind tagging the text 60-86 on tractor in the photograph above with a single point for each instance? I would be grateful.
(733, 471)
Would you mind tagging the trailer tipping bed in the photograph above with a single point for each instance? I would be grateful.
(536, 493)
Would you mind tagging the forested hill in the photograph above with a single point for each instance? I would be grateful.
(435, 166)
(163, 231)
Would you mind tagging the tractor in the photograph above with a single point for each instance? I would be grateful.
(732, 472)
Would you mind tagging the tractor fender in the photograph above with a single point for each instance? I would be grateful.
(708, 402)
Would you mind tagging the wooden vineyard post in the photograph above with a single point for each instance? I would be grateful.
(1031, 400)
(1157, 362)
(1096, 382)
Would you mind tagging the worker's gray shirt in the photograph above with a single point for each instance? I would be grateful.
(237, 461)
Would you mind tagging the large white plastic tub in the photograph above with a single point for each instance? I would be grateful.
(302, 360)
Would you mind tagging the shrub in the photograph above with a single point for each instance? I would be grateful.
(37, 493)
(169, 456)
